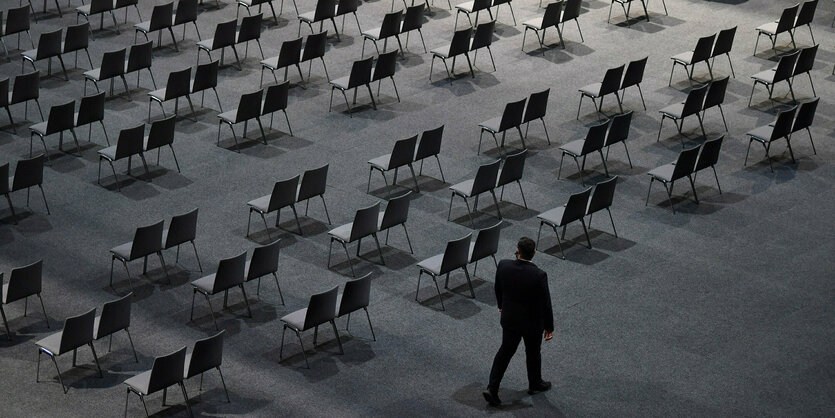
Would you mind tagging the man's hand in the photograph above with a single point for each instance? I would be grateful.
(548, 335)
(500, 310)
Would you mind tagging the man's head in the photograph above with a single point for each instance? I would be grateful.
(525, 248)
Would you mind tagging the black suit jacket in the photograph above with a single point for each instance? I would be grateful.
(523, 296)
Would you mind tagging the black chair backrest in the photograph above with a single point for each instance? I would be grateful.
(686, 163)
(603, 195)
(276, 98)
(716, 93)
(806, 60)
(460, 42)
(17, 20)
(224, 34)
(206, 355)
(397, 211)
(694, 101)
(49, 44)
(230, 272)
(512, 116)
(61, 118)
(186, 12)
(486, 242)
(24, 281)
(807, 13)
(611, 81)
(486, 177)
(290, 53)
(805, 115)
(182, 229)
(99, 6)
(595, 138)
(456, 254)
(785, 67)
(552, 14)
(619, 129)
(403, 152)
(264, 260)
(284, 193)
(783, 123)
(572, 10)
(391, 24)
(786, 22)
(146, 241)
(26, 87)
(178, 84)
(481, 5)
(250, 106)
(205, 76)
(115, 316)
(513, 168)
(250, 28)
(28, 173)
(356, 296)
(365, 222)
(704, 46)
(575, 209)
(634, 74)
(325, 9)
(483, 36)
(724, 42)
(167, 371)
(131, 141)
(360, 72)
(4, 188)
(315, 46)
(430, 143)
(413, 18)
(78, 331)
(4, 89)
(710, 153)
(112, 64)
(347, 6)
(162, 16)
(321, 308)
(141, 56)
(314, 183)
(386, 65)
(161, 133)
(91, 109)
(537, 106)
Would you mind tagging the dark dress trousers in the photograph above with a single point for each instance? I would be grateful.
(525, 301)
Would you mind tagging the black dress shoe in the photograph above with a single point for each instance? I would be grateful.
(492, 398)
(541, 387)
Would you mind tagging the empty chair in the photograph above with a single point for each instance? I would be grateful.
(551, 18)
(511, 171)
(402, 155)
(140, 58)
(264, 261)
(360, 76)
(49, 46)
(186, 13)
(610, 84)
(249, 107)
(206, 355)
(26, 87)
(4, 97)
(181, 229)
(23, 282)
(413, 20)
(692, 105)
(147, 240)
(162, 17)
(715, 96)
(702, 53)
(230, 273)
(205, 77)
(483, 38)
(708, 157)
(396, 213)
(765, 135)
(97, 7)
(594, 142)
(626, 5)
(474, 6)
(485, 181)
(178, 86)
(634, 76)
(356, 296)
(76, 39)
(314, 183)
(510, 118)
(724, 44)
(112, 66)
(365, 224)
(275, 99)
(486, 244)
(162, 135)
(320, 310)
(498, 3)
(805, 17)
(91, 109)
(619, 132)
(131, 142)
(454, 257)
(772, 29)
(61, 118)
(115, 317)
(430, 146)
(602, 198)
(283, 195)
(325, 10)
(77, 332)
(460, 45)
(250, 30)
(385, 68)
(536, 108)
(574, 210)
(669, 173)
(344, 7)
(805, 117)
(27, 173)
(248, 4)
(224, 37)
(805, 62)
(315, 46)
(571, 11)
(389, 28)
(769, 78)
(289, 55)
(17, 22)
(166, 371)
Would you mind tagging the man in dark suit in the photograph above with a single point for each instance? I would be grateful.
(525, 305)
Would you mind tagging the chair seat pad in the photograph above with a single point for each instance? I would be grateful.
(684, 57)
(373, 34)
(206, 284)
(574, 148)
(30, 54)
(464, 188)
(553, 216)
(93, 74)
(342, 233)
(295, 319)
(123, 250)
(187, 364)
(341, 83)
(52, 343)
(466, 6)
(534, 23)
(379, 224)
(592, 90)
(762, 134)
(247, 3)
(83, 9)
(39, 128)
(96, 323)
(229, 116)
(260, 204)
(442, 52)
(206, 44)
(143, 26)
(109, 153)
(674, 110)
(307, 17)
(271, 63)
(769, 28)
(470, 256)
(140, 382)
(158, 94)
(665, 172)
(766, 76)
(5, 292)
(381, 162)
(432, 264)
(491, 124)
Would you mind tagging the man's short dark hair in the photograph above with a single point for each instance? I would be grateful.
(526, 247)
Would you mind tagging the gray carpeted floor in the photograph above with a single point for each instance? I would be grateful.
(723, 308)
